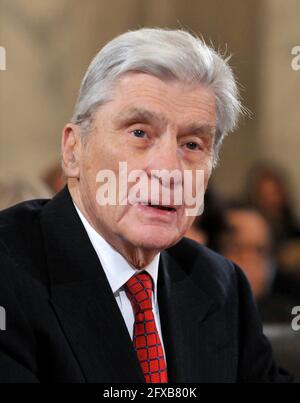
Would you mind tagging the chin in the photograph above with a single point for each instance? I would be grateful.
(154, 239)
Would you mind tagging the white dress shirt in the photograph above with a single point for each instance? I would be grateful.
(118, 271)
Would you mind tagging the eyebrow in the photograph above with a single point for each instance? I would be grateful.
(141, 115)
(195, 128)
(138, 115)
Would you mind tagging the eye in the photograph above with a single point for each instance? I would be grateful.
(139, 133)
(192, 146)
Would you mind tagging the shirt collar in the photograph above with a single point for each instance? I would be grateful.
(117, 270)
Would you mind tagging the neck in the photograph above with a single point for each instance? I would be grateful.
(137, 257)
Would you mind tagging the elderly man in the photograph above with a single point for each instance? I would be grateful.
(113, 292)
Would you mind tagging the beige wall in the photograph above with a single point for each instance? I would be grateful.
(279, 89)
(49, 44)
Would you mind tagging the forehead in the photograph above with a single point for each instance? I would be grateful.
(249, 224)
(168, 100)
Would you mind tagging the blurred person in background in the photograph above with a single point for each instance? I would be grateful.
(289, 258)
(242, 234)
(247, 240)
(267, 190)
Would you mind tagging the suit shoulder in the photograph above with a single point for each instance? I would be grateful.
(193, 252)
(18, 222)
(210, 270)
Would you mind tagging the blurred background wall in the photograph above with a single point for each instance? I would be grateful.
(49, 45)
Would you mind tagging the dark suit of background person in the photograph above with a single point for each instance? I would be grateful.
(64, 325)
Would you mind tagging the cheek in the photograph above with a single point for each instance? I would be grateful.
(208, 170)
(88, 181)
(205, 166)
(96, 159)
(186, 223)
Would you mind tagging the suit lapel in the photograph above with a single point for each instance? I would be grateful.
(83, 300)
(195, 332)
(96, 332)
(182, 307)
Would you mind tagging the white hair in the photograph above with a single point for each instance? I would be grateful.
(166, 54)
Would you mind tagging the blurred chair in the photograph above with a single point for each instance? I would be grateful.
(286, 346)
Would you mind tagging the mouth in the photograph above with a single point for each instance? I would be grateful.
(158, 213)
(161, 207)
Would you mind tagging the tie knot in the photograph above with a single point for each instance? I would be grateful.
(139, 290)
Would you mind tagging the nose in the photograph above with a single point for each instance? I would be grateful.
(166, 158)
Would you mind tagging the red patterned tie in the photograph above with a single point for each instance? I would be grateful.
(146, 338)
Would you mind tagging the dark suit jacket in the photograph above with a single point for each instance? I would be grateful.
(63, 323)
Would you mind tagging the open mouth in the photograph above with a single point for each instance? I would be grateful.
(161, 207)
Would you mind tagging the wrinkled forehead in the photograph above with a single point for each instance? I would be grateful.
(142, 97)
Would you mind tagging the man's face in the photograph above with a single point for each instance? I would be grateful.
(249, 246)
(150, 124)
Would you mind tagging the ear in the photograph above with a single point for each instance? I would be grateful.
(71, 148)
